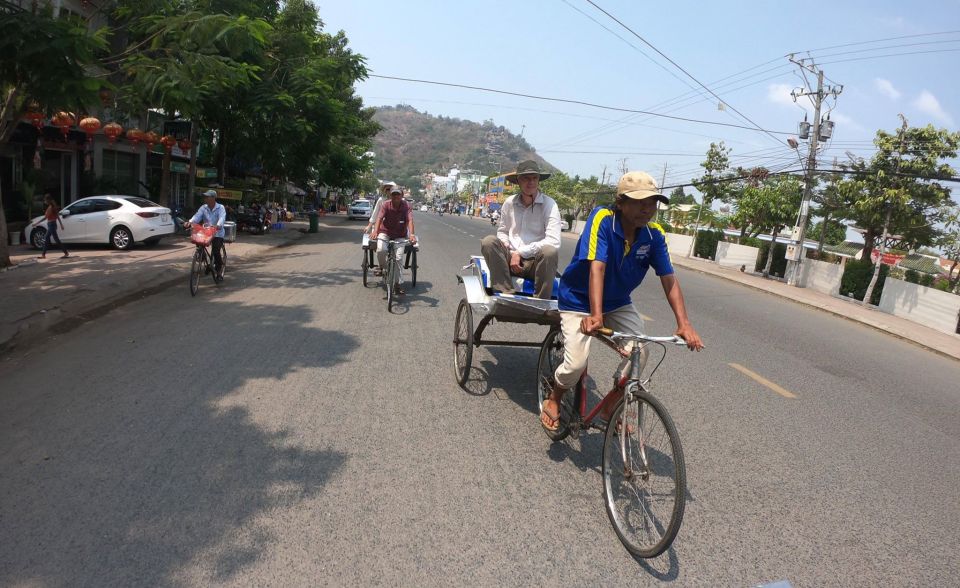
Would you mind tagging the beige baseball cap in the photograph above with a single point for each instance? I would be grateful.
(640, 185)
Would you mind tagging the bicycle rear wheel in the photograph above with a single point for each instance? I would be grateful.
(644, 476)
(551, 356)
(366, 267)
(196, 268)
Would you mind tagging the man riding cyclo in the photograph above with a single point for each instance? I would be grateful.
(617, 246)
(394, 221)
(527, 243)
(383, 196)
(213, 214)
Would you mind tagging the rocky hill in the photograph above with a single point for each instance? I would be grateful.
(412, 143)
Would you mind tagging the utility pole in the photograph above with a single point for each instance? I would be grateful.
(817, 97)
(663, 178)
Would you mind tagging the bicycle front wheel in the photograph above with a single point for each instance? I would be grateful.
(390, 276)
(644, 476)
(218, 275)
(196, 268)
(366, 267)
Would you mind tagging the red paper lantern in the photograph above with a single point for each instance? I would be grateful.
(135, 135)
(90, 126)
(112, 130)
(64, 120)
(168, 141)
(35, 117)
(151, 139)
(185, 145)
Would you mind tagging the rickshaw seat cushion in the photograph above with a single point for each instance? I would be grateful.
(520, 285)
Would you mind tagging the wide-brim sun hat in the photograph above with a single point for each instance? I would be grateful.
(640, 185)
(526, 167)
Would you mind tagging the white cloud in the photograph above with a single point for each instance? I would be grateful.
(927, 103)
(886, 88)
(845, 123)
(780, 94)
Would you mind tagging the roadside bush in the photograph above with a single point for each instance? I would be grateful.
(912, 276)
(926, 280)
(751, 241)
(856, 278)
(942, 284)
(779, 265)
(706, 246)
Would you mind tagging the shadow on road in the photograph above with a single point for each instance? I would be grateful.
(152, 474)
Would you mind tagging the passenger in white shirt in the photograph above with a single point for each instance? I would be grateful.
(527, 243)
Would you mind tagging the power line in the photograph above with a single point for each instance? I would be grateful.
(891, 55)
(578, 102)
(877, 41)
(675, 64)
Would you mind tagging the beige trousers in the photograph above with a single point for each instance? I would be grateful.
(576, 347)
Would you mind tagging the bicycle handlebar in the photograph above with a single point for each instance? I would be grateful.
(610, 333)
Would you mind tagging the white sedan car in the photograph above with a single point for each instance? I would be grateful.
(120, 221)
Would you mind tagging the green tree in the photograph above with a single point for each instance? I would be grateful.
(949, 241)
(677, 196)
(835, 234)
(770, 205)
(898, 191)
(714, 183)
(46, 64)
(831, 208)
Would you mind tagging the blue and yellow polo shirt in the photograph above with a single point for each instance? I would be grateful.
(603, 240)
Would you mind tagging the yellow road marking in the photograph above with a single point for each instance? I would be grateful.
(755, 376)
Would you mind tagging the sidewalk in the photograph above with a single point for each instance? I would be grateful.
(40, 296)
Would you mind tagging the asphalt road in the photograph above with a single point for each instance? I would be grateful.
(286, 430)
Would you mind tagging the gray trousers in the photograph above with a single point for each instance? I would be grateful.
(542, 268)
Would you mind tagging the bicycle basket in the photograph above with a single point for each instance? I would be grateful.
(202, 235)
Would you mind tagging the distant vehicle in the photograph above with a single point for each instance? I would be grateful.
(359, 209)
(117, 220)
(423, 208)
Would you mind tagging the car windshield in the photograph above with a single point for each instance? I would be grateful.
(361, 204)
(141, 202)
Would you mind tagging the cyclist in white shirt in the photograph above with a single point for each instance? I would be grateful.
(213, 214)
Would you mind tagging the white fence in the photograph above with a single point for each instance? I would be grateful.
(733, 255)
(822, 276)
(679, 244)
(927, 306)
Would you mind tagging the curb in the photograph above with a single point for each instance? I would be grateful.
(71, 314)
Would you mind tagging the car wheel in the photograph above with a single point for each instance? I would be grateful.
(37, 236)
(121, 238)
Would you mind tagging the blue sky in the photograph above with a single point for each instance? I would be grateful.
(553, 48)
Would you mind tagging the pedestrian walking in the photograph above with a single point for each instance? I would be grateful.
(52, 216)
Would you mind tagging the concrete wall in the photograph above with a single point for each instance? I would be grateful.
(821, 276)
(679, 244)
(927, 306)
(733, 255)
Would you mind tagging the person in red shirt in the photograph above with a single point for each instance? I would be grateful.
(394, 221)
(52, 216)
